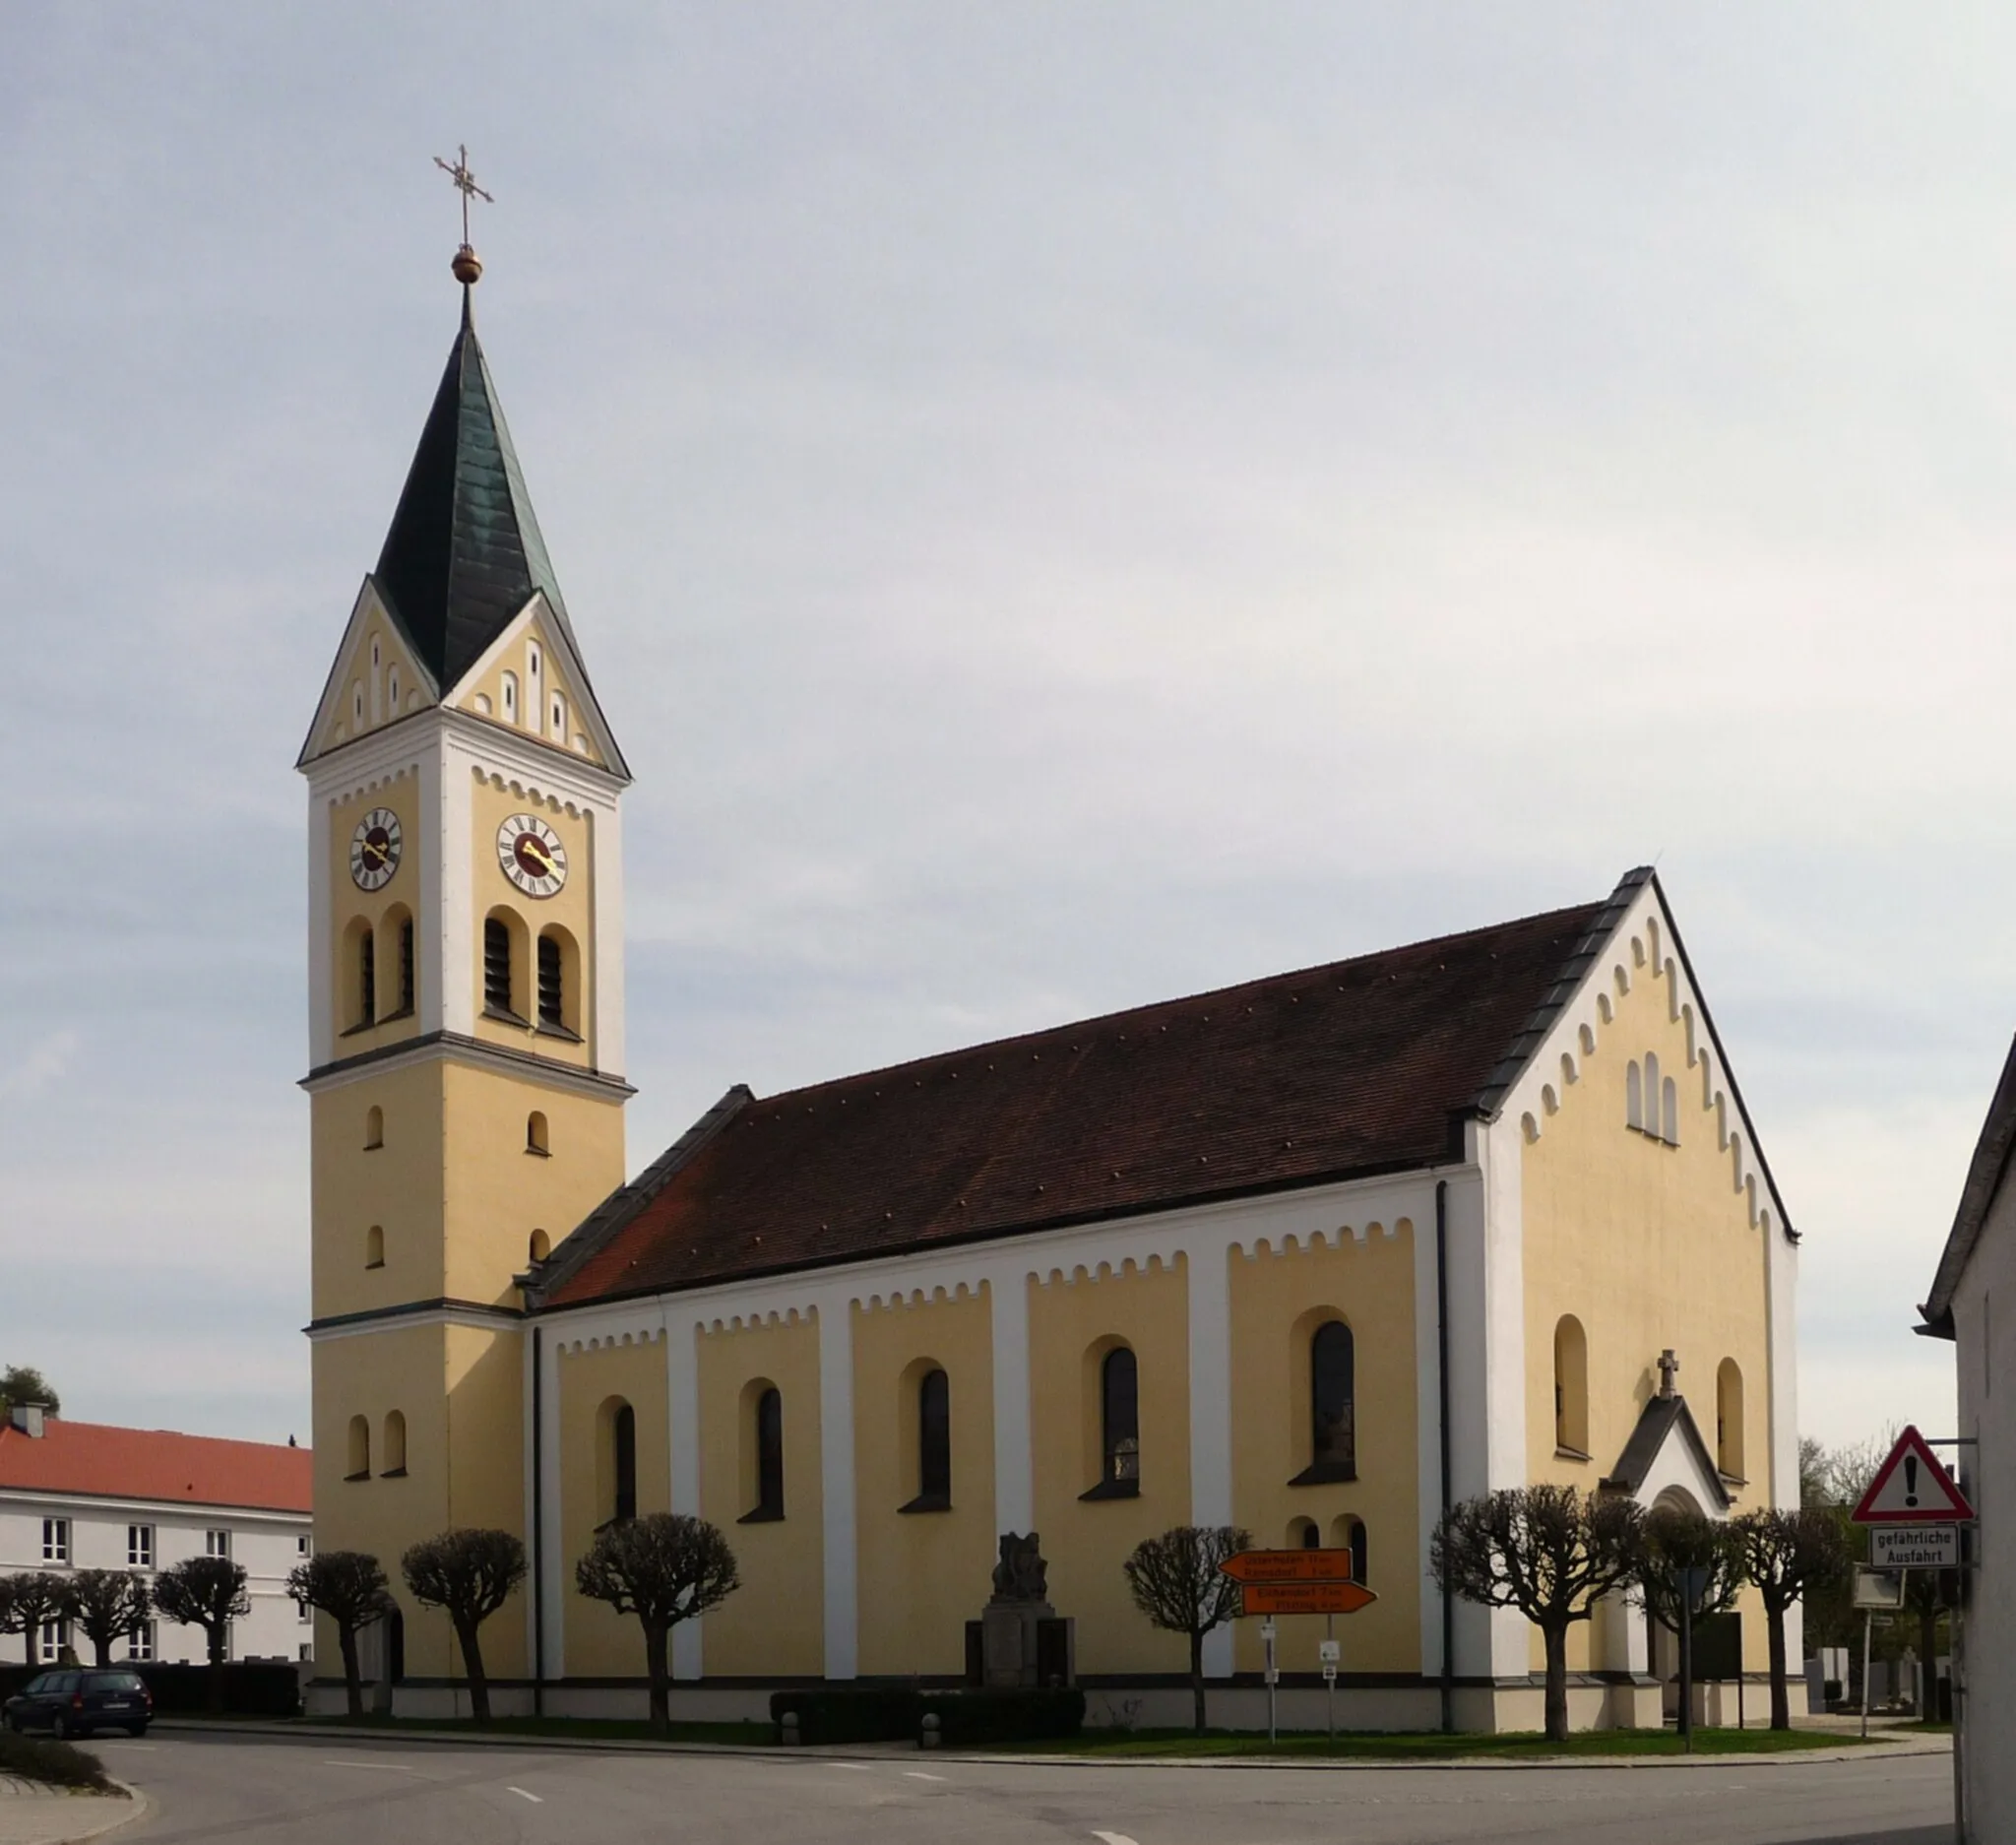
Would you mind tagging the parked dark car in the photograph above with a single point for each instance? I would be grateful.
(73, 1702)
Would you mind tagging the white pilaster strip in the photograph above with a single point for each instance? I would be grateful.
(836, 1477)
(1007, 1287)
(682, 1388)
(321, 935)
(1210, 1405)
(1427, 1396)
(605, 895)
(551, 1533)
(448, 793)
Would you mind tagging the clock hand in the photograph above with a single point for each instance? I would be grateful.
(533, 849)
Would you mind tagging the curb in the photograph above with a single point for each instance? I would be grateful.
(1871, 1750)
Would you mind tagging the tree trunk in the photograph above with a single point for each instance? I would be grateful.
(1197, 1679)
(473, 1664)
(352, 1674)
(1781, 1703)
(217, 1672)
(101, 1649)
(1555, 1635)
(654, 1663)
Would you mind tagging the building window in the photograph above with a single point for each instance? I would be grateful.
(391, 693)
(1304, 1535)
(509, 689)
(367, 977)
(304, 1546)
(216, 1543)
(139, 1546)
(1350, 1536)
(374, 1246)
(934, 1443)
(406, 964)
(620, 1461)
(536, 1136)
(539, 1246)
(1571, 1389)
(55, 1636)
(140, 1642)
(550, 994)
(359, 1467)
(1651, 1102)
(1729, 1419)
(497, 966)
(557, 728)
(301, 1610)
(1332, 1402)
(533, 702)
(395, 1444)
(1119, 1426)
(55, 1540)
(767, 1428)
(374, 1129)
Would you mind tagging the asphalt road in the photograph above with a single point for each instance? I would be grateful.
(350, 1792)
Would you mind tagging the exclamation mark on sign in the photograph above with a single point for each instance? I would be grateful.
(1911, 1480)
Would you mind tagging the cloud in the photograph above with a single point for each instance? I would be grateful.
(42, 1065)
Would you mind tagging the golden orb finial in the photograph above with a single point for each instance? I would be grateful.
(468, 267)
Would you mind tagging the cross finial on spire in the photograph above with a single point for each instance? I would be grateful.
(467, 266)
(1669, 1369)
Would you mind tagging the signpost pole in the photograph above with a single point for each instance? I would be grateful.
(1330, 1673)
(1869, 1622)
(1267, 1631)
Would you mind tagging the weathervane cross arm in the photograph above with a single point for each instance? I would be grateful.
(465, 183)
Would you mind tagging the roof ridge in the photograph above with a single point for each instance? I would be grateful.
(1122, 1013)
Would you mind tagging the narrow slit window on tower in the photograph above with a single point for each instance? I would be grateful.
(394, 1465)
(508, 689)
(374, 1129)
(934, 1443)
(406, 964)
(623, 1440)
(374, 1246)
(769, 1442)
(1119, 1427)
(552, 996)
(367, 977)
(497, 966)
(536, 1138)
(558, 714)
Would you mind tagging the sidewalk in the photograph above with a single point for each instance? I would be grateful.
(31, 1814)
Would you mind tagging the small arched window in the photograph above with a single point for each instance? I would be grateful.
(534, 702)
(367, 977)
(622, 1502)
(406, 964)
(392, 691)
(540, 1246)
(553, 994)
(934, 1438)
(357, 704)
(497, 967)
(1571, 1387)
(768, 1434)
(558, 714)
(1669, 1113)
(394, 1443)
(374, 1246)
(1305, 1533)
(374, 1129)
(1634, 1094)
(1350, 1535)
(536, 1133)
(1729, 1419)
(508, 689)
(1119, 1414)
(359, 1449)
(1332, 1402)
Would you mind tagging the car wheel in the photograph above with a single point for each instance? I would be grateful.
(136, 1731)
(59, 1728)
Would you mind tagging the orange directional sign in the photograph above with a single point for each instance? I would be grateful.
(1306, 1598)
(1250, 1566)
(1911, 1488)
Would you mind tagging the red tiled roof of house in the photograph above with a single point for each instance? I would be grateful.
(1351, 1069)
(102, 1462)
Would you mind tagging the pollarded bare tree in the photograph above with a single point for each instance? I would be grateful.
(349, 1587)
(29, 1600)
(1680, 1538)
(207, 1592)
(108, 1605)
(1547, 1552)
(1178, 1583)
(1789, 1554)
(663, 1568)
(469, 1574)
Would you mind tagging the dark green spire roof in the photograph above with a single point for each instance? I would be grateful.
(464, 555)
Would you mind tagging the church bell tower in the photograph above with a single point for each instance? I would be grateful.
(466, 997)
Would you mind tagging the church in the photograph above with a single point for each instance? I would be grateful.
(1316, 1254)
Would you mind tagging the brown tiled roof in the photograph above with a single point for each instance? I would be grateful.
(1363, 1066)
(104, 1462)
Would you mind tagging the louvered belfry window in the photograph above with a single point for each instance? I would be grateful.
(406, 965)
(367, 977)
(496, 966)
(552, 1011)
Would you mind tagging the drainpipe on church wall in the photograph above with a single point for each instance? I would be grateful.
(1442, 1410)
(539, 1533)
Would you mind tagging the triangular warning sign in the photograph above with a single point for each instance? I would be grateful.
(1911, 1488)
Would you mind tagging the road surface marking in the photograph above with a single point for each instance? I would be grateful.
(397, 1767)
(1113, 1838)
(859, 1766)
(918, 1774)
(537, 1799)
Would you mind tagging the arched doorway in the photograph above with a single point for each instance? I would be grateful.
(1661, 1645)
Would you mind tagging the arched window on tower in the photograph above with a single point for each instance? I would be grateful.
(766, 1452)
(374, 1246)
(1333, 1403)
(374, 1129)
(359, 1456)
(406, 964)
(619, 1462)
(1571, 1387)
(539, 1246)
(394, 1445)
(553, 994)
(536, 1137)
(1729, 1419)
(1349, 1534)
(934, 1442)
(1119, 1426)
(508, 692)
(497, 967)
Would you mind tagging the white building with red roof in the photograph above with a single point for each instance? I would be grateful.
(84, 1496)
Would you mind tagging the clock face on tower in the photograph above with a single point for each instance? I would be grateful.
(374, 850)
(530, 854)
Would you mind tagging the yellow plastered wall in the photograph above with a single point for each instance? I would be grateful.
(498, 1194)
(922, 1575)
(571, 909)
(397, 1185)
(776, 1621)
(459, 1389)
(1086, 1542)
(376, 685)
(599, 1641)
(352, 909)
(483, 695)
(1276, 1300)
(1648, 1246)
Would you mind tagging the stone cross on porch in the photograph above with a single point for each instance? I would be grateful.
(1669, 1369)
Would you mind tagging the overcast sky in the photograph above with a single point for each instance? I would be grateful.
(1066, 506)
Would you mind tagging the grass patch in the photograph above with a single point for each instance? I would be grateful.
(1371, 1745)
(57, 1765)
(582, 1728)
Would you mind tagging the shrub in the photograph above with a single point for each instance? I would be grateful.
(58, 1765)
(895, 1714)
